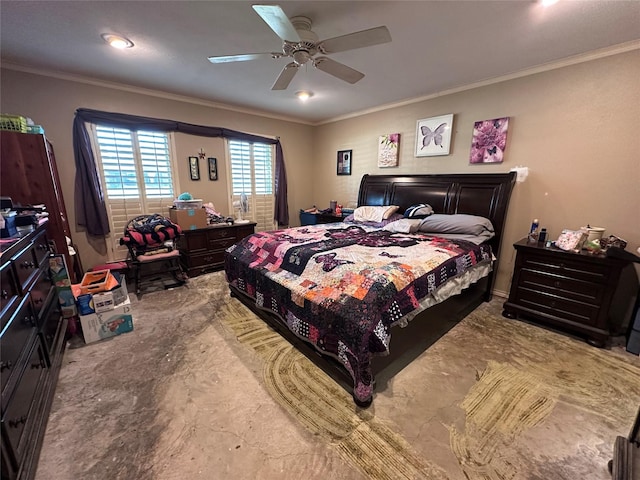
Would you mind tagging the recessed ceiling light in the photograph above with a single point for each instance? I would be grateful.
(548, 3)
(304, 95)
(116, 41)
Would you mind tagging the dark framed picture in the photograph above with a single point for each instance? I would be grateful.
(213, 168)
(344, 162)
(194, 168)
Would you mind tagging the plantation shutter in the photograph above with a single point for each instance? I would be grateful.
(252, 174)
(136, 170)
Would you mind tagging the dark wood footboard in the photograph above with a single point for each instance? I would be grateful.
(406, 345)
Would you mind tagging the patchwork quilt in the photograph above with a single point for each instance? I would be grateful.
(341, 287)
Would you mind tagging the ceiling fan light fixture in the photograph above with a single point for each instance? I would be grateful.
(301, 57)
(117, 41)
(304, 95)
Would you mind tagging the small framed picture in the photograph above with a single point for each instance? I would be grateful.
(213, 168)
(194, 168)
(344, 162)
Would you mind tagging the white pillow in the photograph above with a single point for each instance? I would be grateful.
(374, 214)
(405, 225)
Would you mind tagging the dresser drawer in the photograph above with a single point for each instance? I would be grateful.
(51, 320)
(242, 232)
(220, 234)
(41, 249)
(9, 291)
(25, 267)
(556, 306)
(19, 330)
(22, 409)
(570, 288)
(565, 266)
(42, 289)
(221, 243)
(214, 259)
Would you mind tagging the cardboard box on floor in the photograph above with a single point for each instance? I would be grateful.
(189, 219)
(98, 326)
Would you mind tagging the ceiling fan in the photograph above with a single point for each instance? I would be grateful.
(302, 45)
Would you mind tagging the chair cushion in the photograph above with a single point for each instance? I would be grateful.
(158, 256)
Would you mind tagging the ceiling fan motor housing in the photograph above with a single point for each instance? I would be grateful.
(305, 49)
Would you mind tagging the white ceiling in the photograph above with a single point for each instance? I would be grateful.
(436, 46)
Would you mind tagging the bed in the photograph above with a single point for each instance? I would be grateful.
(339, 290)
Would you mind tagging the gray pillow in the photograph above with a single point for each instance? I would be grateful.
(456, 223)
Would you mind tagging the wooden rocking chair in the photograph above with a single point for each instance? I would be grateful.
(151, 241)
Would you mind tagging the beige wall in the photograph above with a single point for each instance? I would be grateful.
(52, 102)
(574, 127)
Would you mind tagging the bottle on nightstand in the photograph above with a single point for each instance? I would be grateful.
(533, 232)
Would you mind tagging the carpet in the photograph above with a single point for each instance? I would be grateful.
(507, 400)
(202, 388)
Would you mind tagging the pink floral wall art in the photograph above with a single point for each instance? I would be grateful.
(388, 147)
(489, 140)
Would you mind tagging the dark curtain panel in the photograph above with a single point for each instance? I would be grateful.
(90, 207)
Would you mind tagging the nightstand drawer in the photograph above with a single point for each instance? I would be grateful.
(571, 288)
(567, 267)
(556, 306)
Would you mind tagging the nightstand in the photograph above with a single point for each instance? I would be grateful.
(316, 218)
(577, 292)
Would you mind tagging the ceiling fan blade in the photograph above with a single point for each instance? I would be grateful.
(338, 70)
(241, 58)
(364, 38)
(277, 21)
(286, 75)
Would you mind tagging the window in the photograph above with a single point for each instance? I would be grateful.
(137, 177)
(252, 174)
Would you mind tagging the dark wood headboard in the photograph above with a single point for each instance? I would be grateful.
(484, 194)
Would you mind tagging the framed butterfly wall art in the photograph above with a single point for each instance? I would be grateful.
(433, 136)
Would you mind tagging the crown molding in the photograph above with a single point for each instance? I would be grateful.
(565, 62)
(146, 91)
(576, 59)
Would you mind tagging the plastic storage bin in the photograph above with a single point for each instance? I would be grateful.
(308, 218)
(188, 204)
(14, 123)
(98, 281)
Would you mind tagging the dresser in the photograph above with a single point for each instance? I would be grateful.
(31, 349)
(202, 249)
(578, 292)
(30, 177)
